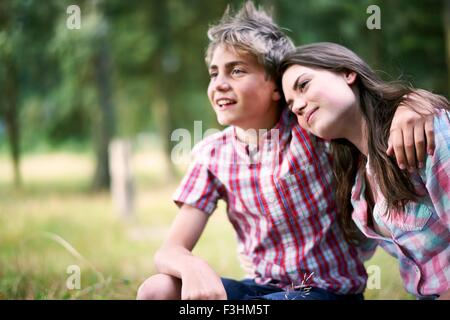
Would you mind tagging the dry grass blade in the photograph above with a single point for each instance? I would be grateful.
(66, 245)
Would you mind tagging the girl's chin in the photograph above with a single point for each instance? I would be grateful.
(323, 134)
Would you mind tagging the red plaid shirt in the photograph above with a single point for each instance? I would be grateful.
(280, 201)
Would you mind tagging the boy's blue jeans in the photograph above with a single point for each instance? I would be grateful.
(248, 289)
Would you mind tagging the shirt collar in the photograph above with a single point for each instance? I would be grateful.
(278, 134)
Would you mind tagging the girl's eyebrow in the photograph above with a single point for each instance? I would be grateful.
(295, 86)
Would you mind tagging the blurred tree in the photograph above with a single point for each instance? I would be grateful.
(9, 104)
(23, 36)
(106, 118)
(138, 66)
(410, 42)
(164, 44)
(84, 58)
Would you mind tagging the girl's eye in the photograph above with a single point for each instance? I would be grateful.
(303, 84)
(213, 75)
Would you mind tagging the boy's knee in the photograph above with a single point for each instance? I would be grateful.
(159, 287)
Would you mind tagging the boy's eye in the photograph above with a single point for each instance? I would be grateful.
(237, 71)
(212, 74)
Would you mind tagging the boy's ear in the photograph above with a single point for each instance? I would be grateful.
(276, 94)
(350, 77)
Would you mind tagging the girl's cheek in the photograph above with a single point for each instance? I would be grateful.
(302, 122)
(313, 93)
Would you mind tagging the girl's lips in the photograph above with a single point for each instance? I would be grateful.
(310, 114)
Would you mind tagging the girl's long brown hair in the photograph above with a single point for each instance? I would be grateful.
(378, 101)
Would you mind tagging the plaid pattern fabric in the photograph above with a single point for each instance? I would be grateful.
(281, 203)
(420, 236)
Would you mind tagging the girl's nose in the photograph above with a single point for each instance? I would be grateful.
(299, 106)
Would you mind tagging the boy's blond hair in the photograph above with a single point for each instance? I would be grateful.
(251, 31)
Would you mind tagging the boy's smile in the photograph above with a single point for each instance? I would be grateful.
(225, 103)
(240, 92)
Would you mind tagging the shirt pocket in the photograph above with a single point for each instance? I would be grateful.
(413, 219)
(297, 193)
(297, 179)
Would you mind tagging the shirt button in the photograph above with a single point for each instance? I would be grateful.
(271, 199)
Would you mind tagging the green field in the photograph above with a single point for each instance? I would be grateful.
(53, 222)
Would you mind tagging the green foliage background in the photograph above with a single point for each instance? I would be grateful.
(157, 51)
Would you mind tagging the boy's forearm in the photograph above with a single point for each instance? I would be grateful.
(173, 260)
(175, 257)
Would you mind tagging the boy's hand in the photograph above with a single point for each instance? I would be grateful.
(200, 282)
(247, 265)
(411, 133)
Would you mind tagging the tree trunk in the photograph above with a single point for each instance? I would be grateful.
(167, 88)
(376, 41)
(169, 128)
(106, 120)
(10, 106)
(162, 114)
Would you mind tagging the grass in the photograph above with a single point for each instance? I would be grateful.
(53, 222)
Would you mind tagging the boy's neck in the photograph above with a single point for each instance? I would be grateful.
(253, 135)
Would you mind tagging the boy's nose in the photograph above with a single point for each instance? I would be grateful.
(222, 84)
